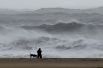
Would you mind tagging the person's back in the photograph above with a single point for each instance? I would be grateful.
(39, 53)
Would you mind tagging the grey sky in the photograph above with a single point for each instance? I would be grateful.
(36, 4)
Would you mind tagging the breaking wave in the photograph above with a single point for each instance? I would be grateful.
(86, 42)
(68, 27)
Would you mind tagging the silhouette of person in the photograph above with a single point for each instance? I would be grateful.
(39, 55)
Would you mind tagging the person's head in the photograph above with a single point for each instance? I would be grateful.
(39, 48)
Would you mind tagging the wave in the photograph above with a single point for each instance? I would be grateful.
(18, 42)
(72, 27)
(54, 47)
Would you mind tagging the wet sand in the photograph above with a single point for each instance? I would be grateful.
(50, 63)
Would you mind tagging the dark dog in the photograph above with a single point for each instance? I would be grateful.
(33, 55)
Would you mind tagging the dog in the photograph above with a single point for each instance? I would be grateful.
(33, 55)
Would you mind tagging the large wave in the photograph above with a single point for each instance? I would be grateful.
(64, 27)
(72, 28)
(18, 42)
(54, 48)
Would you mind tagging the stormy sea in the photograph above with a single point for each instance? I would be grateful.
(59, 32)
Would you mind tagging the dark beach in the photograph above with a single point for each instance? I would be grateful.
(51, 63)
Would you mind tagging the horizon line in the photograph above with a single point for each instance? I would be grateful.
(50, 8)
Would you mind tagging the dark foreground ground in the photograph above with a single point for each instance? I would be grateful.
(51, 63)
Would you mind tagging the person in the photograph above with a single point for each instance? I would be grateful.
(39, 53)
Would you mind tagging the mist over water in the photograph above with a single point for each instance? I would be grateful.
(16, 42)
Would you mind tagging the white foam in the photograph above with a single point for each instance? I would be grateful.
(53, 46)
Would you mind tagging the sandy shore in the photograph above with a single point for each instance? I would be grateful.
(51, 63)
